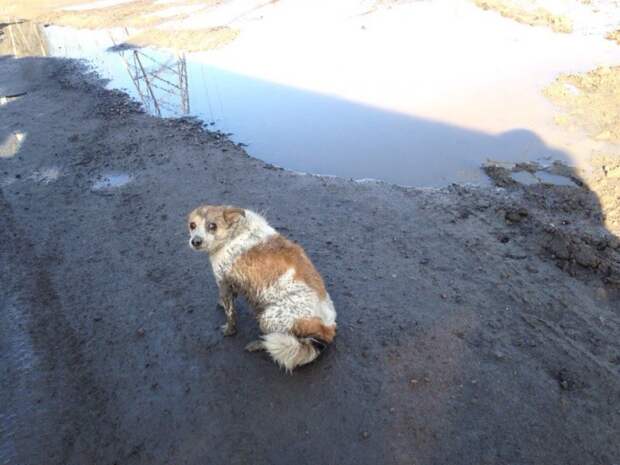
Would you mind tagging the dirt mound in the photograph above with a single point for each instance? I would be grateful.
(552, 217)
(615, 35)
(527, 13)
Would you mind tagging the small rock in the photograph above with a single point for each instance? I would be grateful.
(531, 269)
(140, 332)
(413, 381)
(600, 293)
(515, 216)
(365, 434)
(586, 257)
(559, 247)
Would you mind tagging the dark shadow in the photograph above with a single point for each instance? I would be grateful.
(109, 332)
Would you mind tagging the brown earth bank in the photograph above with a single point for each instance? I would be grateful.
(590, 101)
(144, 17)
(527, 12)
(476, 325)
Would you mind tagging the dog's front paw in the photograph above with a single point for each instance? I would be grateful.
(228, 329)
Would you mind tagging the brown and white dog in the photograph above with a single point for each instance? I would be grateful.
(294, 311)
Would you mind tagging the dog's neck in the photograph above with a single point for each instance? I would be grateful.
(254, 231)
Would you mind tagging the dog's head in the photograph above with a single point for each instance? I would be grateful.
(211, 227)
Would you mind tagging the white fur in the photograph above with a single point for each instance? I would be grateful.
(288, 351)
(326, 311)
(256, 230)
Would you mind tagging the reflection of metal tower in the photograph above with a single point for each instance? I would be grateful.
(161, 83)
(24, 39)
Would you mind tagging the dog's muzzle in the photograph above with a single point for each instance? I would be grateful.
(196, 242)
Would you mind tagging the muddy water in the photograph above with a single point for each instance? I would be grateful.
(406, 95)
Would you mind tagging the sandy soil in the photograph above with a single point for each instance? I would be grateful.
(615, 35)
(135, 13)
(527, 12)
(147, 17)
(477, 325)
(159, 22)
(186, 40)
(590, 100)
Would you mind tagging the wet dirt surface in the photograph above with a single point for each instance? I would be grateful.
(476, 325)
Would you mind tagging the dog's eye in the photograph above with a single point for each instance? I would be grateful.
(212, 226)
(192, 226)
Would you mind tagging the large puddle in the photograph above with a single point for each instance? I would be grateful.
(408, 95)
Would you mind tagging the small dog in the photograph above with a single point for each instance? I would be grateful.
(294, 311)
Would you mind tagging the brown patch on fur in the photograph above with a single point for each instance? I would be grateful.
(265, 263)
(232, 215)
(216, 214)
(314, 327)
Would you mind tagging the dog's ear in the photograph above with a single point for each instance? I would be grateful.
(232, 215)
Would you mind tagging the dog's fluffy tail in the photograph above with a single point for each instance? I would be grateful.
(289, 351)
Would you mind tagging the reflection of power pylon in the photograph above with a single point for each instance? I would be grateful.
(161, 83)
(25, 39)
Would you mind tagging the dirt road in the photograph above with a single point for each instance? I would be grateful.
(477, 325)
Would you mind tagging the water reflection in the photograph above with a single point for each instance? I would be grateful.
(21, 39)
(300, 129)
(160, 82)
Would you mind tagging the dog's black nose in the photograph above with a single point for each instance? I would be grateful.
(196, 242)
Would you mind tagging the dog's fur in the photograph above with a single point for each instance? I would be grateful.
(294, 311)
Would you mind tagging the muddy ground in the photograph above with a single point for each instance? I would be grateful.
(476, 325)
